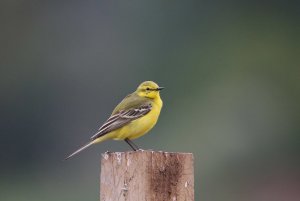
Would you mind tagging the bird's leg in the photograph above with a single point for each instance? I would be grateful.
(131, 144)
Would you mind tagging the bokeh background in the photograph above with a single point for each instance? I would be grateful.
(231, 71)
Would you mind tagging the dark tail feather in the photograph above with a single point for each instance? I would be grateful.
(79, 150)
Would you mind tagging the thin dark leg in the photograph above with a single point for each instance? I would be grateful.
(131, 144)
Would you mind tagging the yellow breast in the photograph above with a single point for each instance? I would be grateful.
(141, 126)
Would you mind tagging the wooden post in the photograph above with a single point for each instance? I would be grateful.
(147, 176)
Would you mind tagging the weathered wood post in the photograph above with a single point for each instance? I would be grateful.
(147, 176)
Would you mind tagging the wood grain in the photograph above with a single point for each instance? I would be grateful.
(147, 176)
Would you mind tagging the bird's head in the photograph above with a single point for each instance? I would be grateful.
(148, 89)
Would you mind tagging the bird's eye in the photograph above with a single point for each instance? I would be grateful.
(147, 88)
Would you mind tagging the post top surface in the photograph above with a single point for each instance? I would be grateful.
(107, 154)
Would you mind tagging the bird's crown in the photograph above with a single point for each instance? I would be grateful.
(149, 84)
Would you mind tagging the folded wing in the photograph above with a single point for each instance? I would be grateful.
(122, 118)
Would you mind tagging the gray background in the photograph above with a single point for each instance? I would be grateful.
(231, 72)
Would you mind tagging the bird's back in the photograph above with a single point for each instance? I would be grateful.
(131, 101)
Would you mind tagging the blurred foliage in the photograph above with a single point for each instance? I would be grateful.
(231, 72)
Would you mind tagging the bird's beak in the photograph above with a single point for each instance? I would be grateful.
(160, 88)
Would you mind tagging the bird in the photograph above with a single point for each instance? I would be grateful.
(132, 118)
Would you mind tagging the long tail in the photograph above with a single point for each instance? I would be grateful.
(80, 149)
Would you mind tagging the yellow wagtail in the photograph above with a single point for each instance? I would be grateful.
(133, 117)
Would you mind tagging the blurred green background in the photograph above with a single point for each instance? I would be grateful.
(231, 71)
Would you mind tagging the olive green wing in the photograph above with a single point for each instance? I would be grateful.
(129, 102)
(124, 113)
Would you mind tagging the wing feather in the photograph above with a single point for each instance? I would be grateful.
(122, 118)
